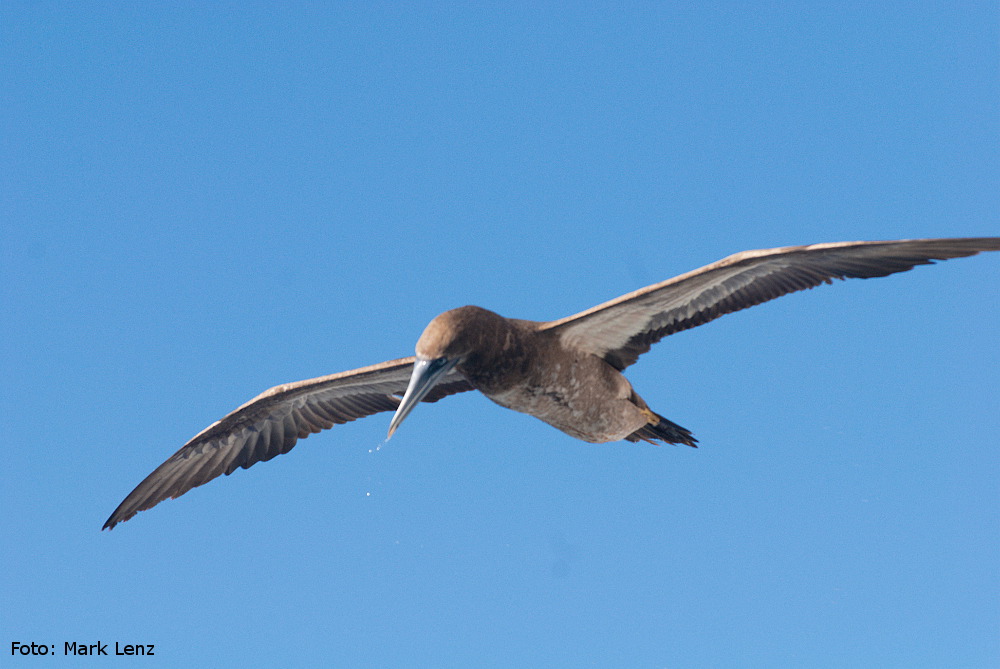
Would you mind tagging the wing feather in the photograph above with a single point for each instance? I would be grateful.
(624, 328)
(271, 424)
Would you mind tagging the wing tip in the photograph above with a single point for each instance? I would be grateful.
(114, 519)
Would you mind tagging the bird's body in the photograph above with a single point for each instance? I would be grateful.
(577, 393)
(566, 372)
(524, 367)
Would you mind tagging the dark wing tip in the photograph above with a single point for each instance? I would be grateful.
(116, 518)
(168, 481)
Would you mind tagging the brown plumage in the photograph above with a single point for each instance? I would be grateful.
(566, 372)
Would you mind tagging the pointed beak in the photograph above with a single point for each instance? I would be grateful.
(426, 373)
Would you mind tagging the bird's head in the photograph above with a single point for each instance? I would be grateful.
(446, 341)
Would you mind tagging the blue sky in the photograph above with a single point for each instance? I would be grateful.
(202, 200)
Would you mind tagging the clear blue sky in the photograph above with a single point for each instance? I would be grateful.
(202, 200)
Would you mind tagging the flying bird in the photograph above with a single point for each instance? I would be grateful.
(567, 372)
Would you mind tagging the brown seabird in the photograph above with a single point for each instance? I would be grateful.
(566, 372)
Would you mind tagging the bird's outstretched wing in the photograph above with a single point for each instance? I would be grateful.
(271, 423)
(624, 328)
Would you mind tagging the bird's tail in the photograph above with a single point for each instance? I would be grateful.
(664, 430)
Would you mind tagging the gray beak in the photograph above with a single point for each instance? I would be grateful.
(426, 373)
